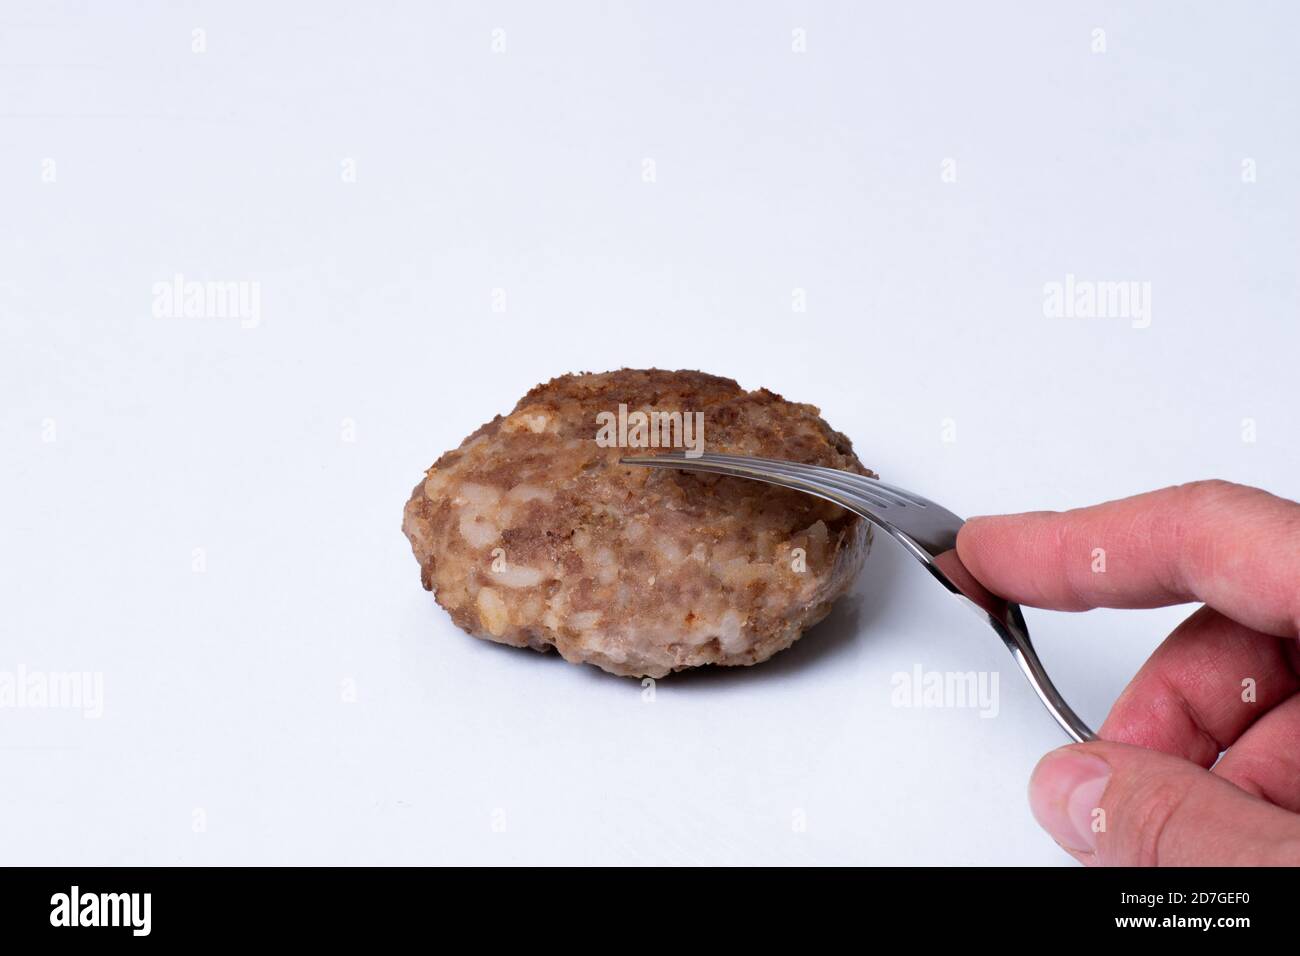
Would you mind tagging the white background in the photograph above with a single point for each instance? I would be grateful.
(226, 737)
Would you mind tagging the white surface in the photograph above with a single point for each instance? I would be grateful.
(522, 170)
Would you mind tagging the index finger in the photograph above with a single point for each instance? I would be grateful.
(1235, 548)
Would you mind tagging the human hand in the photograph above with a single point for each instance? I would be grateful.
(1225, 680)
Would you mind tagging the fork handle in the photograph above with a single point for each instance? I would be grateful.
(1009, 622)
(1016, 637)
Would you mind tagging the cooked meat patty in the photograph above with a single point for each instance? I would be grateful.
(532, 534)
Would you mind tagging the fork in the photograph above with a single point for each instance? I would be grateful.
(927, 531)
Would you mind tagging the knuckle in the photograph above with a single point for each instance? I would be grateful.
(1216, 491)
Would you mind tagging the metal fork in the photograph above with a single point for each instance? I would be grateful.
(928, 532)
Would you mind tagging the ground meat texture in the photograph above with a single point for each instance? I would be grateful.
(532, 534)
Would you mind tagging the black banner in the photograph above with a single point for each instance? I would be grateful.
(338, 906)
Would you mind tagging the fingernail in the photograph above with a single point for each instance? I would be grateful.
(1065, 797)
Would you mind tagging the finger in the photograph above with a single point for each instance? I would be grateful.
(1235, 548)
(1110, 804)
(1202, 689)
(1266, 760)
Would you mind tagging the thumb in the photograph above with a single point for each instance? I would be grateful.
(1111, 804)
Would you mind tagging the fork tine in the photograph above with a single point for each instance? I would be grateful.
(874, 485)
(844, 480)
(925, 528)
(824, 483)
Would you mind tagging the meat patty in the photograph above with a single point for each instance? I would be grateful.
(532, 534)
